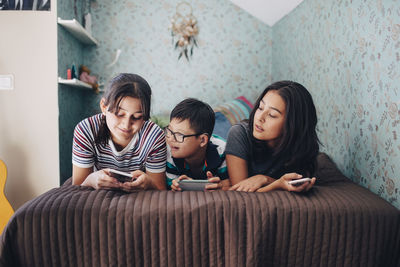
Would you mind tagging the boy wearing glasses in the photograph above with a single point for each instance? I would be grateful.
(192, 151)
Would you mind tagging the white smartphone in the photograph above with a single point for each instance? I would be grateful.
(121, 176)
(193, 185)
(299, 182)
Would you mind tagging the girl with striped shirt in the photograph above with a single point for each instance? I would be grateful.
(122, 138)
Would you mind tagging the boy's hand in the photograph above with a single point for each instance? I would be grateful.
(215, 182)
(175, 182)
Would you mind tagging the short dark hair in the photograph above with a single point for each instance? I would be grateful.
(299, 142)
(199, 114)
(123, 85)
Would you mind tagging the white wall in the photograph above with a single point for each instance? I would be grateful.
(29, 113)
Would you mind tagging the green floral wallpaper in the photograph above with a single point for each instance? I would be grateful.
(347, 53)
(233, 56)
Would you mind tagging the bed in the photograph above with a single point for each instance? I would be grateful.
(337, 223)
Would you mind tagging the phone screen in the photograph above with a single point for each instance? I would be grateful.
(193, 185)
(121, 176)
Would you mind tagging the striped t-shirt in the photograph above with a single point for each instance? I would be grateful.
(146, 151)
(214, 162)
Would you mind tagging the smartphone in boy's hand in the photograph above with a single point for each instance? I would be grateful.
(121, 176)
(193, 185)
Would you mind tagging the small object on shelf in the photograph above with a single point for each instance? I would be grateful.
(76, 29)
(84, 75)
(73, 72)
(69, 74)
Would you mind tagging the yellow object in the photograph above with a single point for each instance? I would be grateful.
(6, 211)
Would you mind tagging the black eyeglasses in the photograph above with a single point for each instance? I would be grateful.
(180, 138)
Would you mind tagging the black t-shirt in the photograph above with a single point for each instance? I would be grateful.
(259, 156)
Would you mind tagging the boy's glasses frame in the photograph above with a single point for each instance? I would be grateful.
(180, 138)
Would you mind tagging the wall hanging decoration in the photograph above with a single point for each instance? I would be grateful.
(184, 30)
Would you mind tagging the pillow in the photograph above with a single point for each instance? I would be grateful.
(67, 182)
(222, 125)
(236, 110)
(327, 171)
(231, 113)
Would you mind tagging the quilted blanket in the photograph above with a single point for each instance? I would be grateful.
(337, 223)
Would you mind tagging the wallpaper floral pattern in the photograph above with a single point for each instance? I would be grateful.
(347, 53)
(233, 56)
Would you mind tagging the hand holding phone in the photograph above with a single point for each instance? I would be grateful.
(121, 176)
(299, 182)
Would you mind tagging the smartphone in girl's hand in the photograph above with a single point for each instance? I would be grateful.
(299, 182)
(121, 176)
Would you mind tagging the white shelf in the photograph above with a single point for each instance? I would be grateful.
(75, 83)
(76, 29)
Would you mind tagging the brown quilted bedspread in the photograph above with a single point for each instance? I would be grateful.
(335, 224)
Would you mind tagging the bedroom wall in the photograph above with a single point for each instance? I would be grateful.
(347, 54)
(73, 102)
(29, 113)
(233, 57)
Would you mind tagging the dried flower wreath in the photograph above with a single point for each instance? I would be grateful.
(184, 30)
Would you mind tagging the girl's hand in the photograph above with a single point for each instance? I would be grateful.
(215, 182)
(283, 183)
(101, 180)
(141, 182)
(175, 182)
(250, 184)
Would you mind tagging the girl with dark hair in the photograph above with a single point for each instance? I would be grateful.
(121, 138)
(277, 144)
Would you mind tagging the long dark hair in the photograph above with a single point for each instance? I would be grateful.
(124, 84)
(299, 144)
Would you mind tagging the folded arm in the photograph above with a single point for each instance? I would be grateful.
(238, 175)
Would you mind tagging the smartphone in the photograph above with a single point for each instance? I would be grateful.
(299, 182)
(121, 176)
(193, 185)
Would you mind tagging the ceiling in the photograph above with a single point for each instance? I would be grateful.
(268, 11)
